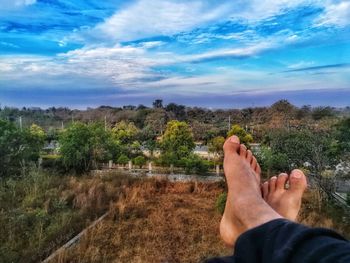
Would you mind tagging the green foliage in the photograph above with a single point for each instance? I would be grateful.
(140, 161)
(220, 203)
(125, 132)
(216, 145)
(322, 112)
(194, 164)
(76, 148)
(177, 141)
(342, 135)
(243, 136)
(272, 162)
(82, 146)
(17, 148)
(123, 159)
(303, 146)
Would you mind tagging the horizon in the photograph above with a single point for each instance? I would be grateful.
(196, 53)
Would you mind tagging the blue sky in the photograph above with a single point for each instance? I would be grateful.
(208, 53)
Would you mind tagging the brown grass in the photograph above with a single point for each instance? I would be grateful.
(156, 221)
(160, 221)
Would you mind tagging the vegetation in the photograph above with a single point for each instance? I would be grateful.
(41, 211)
(83, 146)
(177, 142)
(43, 204)
(243, 135)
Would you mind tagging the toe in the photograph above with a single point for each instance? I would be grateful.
(254, 163)
(243, 151)
(265, 190)
(249, 156)
(272, 184)
(258, 169)
(297, 181)
(232, 145)
(281, 181)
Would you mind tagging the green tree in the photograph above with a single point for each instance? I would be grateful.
(304, 146)
(140, 161)
(83, 146)
(194, 164)
(17, 149)
(123, 159)
(243, 136)
(272, 162)
(342, 135)
(125, 132)
(177, 140)
(216, 146)
(76, 147)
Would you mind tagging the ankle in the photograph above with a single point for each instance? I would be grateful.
(254, 213)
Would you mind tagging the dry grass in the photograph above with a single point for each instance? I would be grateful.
(156, 221)
(159, 221)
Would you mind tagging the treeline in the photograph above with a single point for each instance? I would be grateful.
(205, 123)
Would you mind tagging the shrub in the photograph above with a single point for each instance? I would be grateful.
(123, 159)
(140, 161)
(195, 164)
(221, 202)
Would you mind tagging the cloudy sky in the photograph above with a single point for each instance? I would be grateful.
(208, 53)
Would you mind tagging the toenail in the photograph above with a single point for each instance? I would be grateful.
(273, 178)
(296, 175)
(234, 139)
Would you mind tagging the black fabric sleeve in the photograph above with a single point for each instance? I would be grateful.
(284, 241)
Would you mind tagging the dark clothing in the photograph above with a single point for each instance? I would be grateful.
(283, 241)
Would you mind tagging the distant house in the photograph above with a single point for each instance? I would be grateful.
(52, 147)
(202, 150)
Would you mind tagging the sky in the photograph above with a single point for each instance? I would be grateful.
(218, 54)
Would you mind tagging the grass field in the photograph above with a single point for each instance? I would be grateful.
(159, 221)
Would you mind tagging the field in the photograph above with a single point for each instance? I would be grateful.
(159, 221)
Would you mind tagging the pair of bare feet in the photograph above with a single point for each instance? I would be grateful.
(250, 203)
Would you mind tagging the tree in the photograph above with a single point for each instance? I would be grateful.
(322, 112)
(123, 159)
(83, 146)
(157, 104)
(194, 164)
(125, 132)
(216, 146)
(140, 161)
(178, 110)
(76, 147)
(302, 147)
(243, 136)
(272, 162)
(17, 148)
(177, 140)
(342, 135)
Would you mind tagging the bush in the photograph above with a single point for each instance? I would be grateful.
(51, 161)
(195, 164)
(221, 202)
(123, 159)
(140, 161)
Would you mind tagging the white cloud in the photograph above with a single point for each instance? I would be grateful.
(301, 64)
(6, 4)
(159, 17)
(335, 14)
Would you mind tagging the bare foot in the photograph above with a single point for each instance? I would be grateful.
(285, 200)
(245, 208)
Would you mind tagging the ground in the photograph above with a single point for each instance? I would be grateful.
(160, 221)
